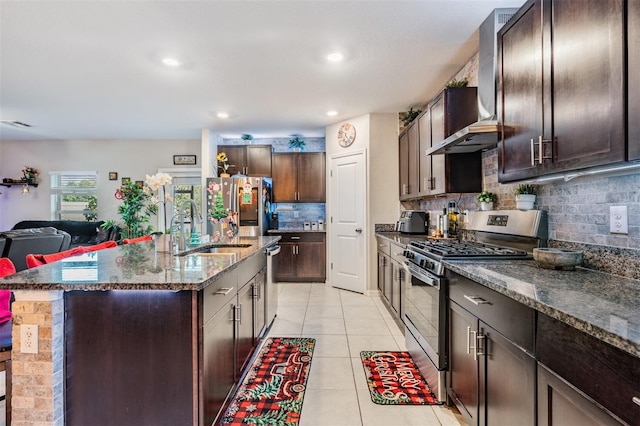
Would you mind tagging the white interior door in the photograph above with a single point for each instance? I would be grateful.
(348, 239)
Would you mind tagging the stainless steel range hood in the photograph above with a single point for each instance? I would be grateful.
(484, 133)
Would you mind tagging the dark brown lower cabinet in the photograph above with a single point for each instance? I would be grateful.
(153, 357)
(492, 378)
(559, 403)
(606, 378)
(302, 257)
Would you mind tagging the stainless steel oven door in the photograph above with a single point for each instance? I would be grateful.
(423, 314)
(425, 322)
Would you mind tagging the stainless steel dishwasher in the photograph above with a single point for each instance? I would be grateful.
(271, 290)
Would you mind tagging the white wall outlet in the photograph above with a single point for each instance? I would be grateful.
(29, 339)
(618, 223)
(296, 214)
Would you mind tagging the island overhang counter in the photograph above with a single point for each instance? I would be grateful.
(128, 335)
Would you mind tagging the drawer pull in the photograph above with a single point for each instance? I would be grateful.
(477, 300)
(295, 238)
(224, 291)
(636, 400)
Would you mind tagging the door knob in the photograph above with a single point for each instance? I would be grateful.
(358, 230)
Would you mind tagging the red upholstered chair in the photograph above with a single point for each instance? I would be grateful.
(137, 240)
(6, 268)
(101, 246)
(34, 260)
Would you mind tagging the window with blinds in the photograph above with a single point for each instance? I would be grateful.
(74, 196)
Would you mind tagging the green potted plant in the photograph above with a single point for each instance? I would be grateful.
(457, 83)
(525, 196)
(296, 143)
(486, 200)
(409, 116)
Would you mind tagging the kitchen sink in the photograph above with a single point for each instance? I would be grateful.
(214, 249)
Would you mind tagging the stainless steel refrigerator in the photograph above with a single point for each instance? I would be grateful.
(248, 197)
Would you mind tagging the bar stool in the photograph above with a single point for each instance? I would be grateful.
(5, 365)
(6, 268)
(101, 246)
(137, 240)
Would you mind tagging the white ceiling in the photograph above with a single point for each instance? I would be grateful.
(91, 69)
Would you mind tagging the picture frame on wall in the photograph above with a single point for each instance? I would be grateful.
(113, 175)
(184, 160)
(140, 183)
(126, 180)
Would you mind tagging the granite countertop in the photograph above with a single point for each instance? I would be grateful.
(600, 304)
(138, 267)
(400, 238)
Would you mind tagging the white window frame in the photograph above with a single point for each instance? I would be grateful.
(58, 191)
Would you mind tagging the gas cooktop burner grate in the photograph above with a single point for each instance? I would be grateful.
(449, 249)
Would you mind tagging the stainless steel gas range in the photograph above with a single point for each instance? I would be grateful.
(503, 234)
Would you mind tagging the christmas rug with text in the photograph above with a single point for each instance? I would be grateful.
(394, 379)
(273, 388)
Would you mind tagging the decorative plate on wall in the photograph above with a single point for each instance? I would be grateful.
(346, 134)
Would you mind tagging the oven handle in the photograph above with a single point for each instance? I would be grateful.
(425, 277)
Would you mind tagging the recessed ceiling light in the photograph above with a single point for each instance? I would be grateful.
(223, 115)
(335, 57)
(332, 113)
(171, 62)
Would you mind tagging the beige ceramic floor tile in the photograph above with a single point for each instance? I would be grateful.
(330, 373)
(358, 373)
(324, 312)
(283, 328)
(362, 312)
(323, 326)
(330, 345)
(355, 299)
(370, 343)
(330, 408)
(392, 415)
(366, 326)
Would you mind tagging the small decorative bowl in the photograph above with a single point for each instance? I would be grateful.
(556, 258)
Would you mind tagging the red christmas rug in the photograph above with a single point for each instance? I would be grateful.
(394, 379)
(273, 388)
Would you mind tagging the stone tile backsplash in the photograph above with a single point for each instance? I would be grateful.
(305, 212)
(578, 214)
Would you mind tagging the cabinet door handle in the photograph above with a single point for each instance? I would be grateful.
(480, 343)
(433, 182)
(636, 400)
(477, 300)
(297, 250)
(471, 332)
(540, 149)
(533, 153)
(224, 291)
(240, 313)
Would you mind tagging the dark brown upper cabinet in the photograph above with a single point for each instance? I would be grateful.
(561, 88)
(633, 48)
(250, 160)
(453, 109)
(299, 177)
(409, 145)
(422, 175)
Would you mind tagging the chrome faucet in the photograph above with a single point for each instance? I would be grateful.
(182, 213)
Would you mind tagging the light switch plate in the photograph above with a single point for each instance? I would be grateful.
(618, 223)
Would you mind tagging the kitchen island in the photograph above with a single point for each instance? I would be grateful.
(131, 335)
